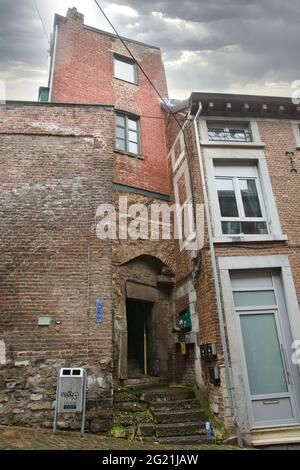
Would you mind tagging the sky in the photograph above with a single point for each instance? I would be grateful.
(234, 46)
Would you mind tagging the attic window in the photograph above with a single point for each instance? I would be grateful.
(125, 69)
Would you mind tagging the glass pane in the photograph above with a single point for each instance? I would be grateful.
(120, 144)
(227, 199)
(255, 297)
(120, 120)
(132, 136)
(250, 198)
(256, 228)
(246, 228)
(263, 355)
(231, 228)
(132, 147)
(125, 70)
(120, 132)
(132, 124)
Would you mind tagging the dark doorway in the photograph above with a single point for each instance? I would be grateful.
(139, 328)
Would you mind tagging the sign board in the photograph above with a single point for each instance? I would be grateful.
(99, 309)
(71, 393)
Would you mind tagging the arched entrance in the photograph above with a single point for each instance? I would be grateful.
(143, 319)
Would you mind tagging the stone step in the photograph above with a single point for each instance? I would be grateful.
(188, 440)
(146, 429)
(136, 382)
(174, 405)
(179, 429)
(181, 416)
(168, 395)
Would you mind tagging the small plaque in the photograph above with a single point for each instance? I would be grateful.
(44, 321)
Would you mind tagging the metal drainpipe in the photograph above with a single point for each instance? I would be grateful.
(216, 281)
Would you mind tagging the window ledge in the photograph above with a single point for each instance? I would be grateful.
(128, 154)
(126, 81)
(211, 143)
(249, 238)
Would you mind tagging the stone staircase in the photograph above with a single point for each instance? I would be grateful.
(170, 415)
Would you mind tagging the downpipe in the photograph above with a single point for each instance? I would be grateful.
(216, 281)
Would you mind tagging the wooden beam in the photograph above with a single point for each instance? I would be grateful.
(210, 107)
(264, 109)
(297, 111)
(246, 108)
(228, 108)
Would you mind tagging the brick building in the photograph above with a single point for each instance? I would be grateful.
(100, 137)
(57, 167)
(218, 307)
(239, 158)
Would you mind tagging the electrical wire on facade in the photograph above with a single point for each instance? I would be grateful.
(42, 22)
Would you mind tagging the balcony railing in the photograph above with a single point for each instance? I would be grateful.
(230, 135)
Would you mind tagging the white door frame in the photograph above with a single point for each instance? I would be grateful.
(253, 262)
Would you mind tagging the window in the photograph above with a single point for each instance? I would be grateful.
(226, 131)
(296, 129)
(240, 201)
(127, 134)
(125, 69)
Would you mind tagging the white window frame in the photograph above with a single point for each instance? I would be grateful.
(185, 210)
(240, 206)
(253, 128)
(296, 130)
(128, 61)
(256, 158)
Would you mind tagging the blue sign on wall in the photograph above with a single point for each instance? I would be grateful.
(99, 307)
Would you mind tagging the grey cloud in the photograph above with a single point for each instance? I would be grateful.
(243, 42)
(213, 45)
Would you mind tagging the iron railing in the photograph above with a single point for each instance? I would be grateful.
(231, 135)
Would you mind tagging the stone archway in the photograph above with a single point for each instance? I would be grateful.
(142, 287)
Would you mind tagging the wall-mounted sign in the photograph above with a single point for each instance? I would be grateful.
(99, 308)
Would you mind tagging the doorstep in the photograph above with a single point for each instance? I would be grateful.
(274, 436)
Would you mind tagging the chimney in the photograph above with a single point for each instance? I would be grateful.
(74, 15)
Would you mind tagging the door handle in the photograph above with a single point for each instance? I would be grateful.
(285, 365)
(271, 402)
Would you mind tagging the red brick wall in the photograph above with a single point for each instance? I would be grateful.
(52, 264)
(279, 138)
(83, 73)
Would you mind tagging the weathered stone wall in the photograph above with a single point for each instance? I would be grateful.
(143, 260)
(28, 394)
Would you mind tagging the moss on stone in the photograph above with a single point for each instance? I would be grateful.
(129, 418)
(117, 431)
(123, 396)
(218, 429)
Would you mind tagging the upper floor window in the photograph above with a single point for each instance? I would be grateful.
(240, 201)
(125, 69)
(229, 131)
(127, 134)
(296, 129)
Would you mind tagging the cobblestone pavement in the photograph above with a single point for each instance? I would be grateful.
(16, 438)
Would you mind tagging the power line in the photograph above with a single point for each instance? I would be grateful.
(43, 24)
(157, 92)
(142, 70)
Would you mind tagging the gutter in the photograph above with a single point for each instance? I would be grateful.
(216, 281)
